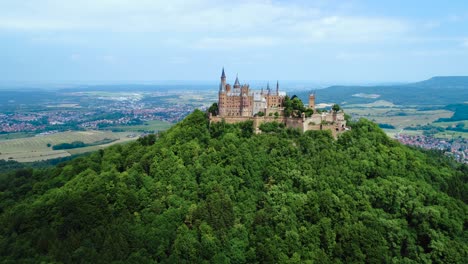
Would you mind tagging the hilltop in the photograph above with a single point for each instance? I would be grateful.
(218, 193)
(437, 91)
(442, 82)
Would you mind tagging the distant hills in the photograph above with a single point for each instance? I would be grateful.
(437, 92)
(444, 82)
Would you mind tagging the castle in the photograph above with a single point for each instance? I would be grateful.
(239, 100)
(238, 103)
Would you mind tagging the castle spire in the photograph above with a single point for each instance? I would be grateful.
(223, 75)
(268, 88)
(277, 88)
(237, 83)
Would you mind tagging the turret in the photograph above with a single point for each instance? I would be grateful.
(237, 83)
(312, 100)
(222, 85)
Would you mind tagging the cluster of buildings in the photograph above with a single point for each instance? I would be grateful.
(19, 127)
(457, 147)
(238, 103)
(107, 114)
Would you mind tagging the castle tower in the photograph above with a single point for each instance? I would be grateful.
(222, 85)
(312, 100)
(222, 95)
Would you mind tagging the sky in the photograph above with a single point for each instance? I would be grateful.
(141, 41)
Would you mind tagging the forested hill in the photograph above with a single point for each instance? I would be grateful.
(220, 194)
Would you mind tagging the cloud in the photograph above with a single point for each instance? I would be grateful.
(75, 57)
(235, 43)
(359, 56)
(178, 60)
(109, 59)
(149, 15)
(209, 23)
(465, 43)
(351, 29)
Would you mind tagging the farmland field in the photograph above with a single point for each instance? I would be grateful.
(399, 117)
(154, 125)
(37, 148)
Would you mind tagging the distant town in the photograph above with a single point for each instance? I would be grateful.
(69, 113)
(456, 147)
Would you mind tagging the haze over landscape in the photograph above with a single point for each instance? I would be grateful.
(333, 42)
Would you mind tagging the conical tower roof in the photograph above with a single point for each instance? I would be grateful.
(237, 83)
(223, 75)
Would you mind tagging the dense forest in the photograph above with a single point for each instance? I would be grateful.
(201, 193)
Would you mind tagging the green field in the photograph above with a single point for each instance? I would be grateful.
(392, 132)
(451, 134)
(452, 123)
(35, 148)
(16, 135)
(206, 98)
(405, 117)
(154, 125)
(398, 117)
(24, 147)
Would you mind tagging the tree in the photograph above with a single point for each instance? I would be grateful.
(293, 107)
(213, 109)
(217, 193)
(336, 108)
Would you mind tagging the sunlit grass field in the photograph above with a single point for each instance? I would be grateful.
(154, 125)
(399, 117)
(40, 147)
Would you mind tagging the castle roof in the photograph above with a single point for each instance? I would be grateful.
(223, 75)
(237, 81)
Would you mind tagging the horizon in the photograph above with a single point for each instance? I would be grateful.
(253, 83)
(322, 42)
(286, 85)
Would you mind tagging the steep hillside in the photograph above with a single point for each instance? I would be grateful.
(220, 194)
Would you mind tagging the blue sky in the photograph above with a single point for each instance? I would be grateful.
(88, 41)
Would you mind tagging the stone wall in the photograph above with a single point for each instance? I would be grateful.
(324, 121)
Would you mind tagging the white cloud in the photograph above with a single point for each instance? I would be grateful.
(359, 56)
(432, 24)
(351, 29)
(178, 60)
(147, 15)
(75, 57)
(235, 43)
(110, 59)
(465, 43)
(263, 22)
